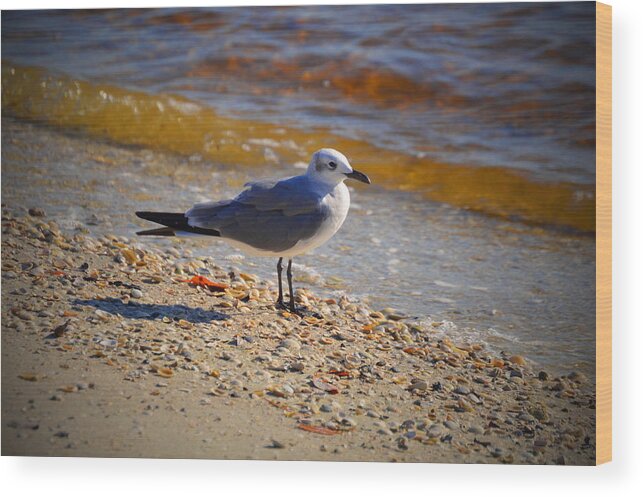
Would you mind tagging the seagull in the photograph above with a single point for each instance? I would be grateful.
(273, 218)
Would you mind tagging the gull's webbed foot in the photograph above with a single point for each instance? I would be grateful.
(302, 312)
(290, 307)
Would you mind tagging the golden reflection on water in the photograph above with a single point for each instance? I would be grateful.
(182, 126)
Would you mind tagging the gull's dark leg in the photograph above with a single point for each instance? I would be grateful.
(292, 294)
(280, 299)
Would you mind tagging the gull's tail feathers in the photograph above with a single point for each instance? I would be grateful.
(175, 223)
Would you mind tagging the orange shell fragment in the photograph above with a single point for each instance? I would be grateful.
(202, 281)
(165, 372)
(28, 376)
(342, 374)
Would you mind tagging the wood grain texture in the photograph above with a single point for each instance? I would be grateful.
(603, 233)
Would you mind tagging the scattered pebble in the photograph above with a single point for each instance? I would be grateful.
(419, 385)
(290, 344)
(477, 429)
(36, 212)
(434, 431)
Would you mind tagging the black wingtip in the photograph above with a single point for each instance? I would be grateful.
(175, 221)
(157, 232)
(148, 216)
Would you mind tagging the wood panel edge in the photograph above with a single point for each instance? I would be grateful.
(603, 233)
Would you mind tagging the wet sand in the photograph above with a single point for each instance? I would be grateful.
(150, 365)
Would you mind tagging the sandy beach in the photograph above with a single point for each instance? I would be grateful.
(110, 349)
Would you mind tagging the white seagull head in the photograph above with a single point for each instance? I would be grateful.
(330, 166)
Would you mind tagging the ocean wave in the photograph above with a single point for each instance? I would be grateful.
(188, 127)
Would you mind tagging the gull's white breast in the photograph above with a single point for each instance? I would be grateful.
(338, 202)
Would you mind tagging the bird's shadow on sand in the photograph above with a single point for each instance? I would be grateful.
(153, 312)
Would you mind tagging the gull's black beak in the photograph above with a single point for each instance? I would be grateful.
(359, 176)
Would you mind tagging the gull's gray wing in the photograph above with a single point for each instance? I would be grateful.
(268, 215)
(291, 195)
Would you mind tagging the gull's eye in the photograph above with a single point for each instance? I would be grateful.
(332, 165)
